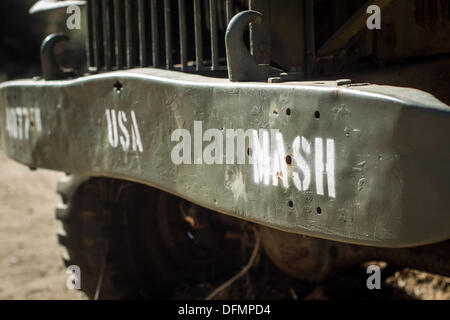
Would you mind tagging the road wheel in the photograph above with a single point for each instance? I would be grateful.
(133, 241)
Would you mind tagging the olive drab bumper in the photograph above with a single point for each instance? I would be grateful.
(362, 164)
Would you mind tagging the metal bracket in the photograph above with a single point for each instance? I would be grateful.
(241, 65)
(50, 68)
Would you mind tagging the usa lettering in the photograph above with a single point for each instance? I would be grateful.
(123, 130)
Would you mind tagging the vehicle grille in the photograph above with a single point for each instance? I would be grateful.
(185, 35)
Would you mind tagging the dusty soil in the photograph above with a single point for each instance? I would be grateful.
(31, 267)
(30, 258)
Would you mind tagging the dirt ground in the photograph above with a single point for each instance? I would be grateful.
(30, 258)
(31, 267)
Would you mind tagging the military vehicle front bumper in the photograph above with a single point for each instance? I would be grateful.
(364, 164)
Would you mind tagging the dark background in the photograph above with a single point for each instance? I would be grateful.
(21, 34)
(20, 37)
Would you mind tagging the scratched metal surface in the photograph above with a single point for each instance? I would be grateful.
(391, 159)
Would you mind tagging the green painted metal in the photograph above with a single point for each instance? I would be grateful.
(391, 161)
